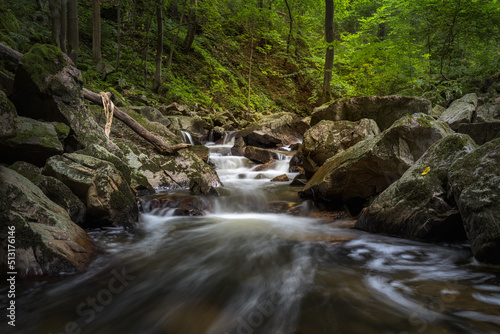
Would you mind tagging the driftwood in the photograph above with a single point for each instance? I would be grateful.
(160, 144)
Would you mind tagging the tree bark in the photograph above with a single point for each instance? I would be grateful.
(330, 52)
(192, 25)
(55, 12)
(289, 39)
(73, 38)
(96, 32)
(64, 26)
(118, 34)
(159, 46)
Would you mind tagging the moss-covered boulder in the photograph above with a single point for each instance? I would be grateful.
(475, 184)
(460, 111)
(54, 189)
(369, 167)
(197, 127)
(8, 116)
(47, 241)
(328, 138)
(100, 185)
(488, 112)
(34, 142)
(280, 129)
(419, 205)
(481, 132)
(47, 86)
(385, 110)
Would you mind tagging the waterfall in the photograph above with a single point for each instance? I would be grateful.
(186, 137)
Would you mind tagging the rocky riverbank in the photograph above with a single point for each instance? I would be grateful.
(394, 162)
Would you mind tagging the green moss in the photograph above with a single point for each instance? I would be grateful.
(43, 60)
(119, 200)
(62, 130)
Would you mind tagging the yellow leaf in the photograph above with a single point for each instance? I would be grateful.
(426, 170)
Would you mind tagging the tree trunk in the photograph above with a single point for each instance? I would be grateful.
(96, 32)
(55, 12)
(73, 38)
(118, 34)
(289, 39)
(64, 26)
(192, 25)
(330, 53)
(159, 46)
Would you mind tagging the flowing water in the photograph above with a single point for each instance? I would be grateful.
(241, 269)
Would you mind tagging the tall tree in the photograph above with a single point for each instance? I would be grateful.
(55, 12)
(330, 52)
(159, 45)
(73, 39)
(118, 33)
(192, 25)
(96, 32)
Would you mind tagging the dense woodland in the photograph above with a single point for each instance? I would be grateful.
(266, 55)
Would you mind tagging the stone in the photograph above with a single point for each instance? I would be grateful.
(489, 112)
(281, 178)
(369, 167)
(418, 205)
(475, 184)
(8, 118)
(437, 111)
(99, 185)
(34, 142)
(280, 129)
(481, 132)
(238, 148)
(385, 110)
(460, 111)
(260, 155)
(327, 138)
(54, 189)
(47, 241)
(195, 126)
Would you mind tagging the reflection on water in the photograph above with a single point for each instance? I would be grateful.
(243, 271)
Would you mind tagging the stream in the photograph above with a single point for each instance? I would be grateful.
(244, 269)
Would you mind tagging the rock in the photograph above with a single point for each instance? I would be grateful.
(201, 151)
(481, 132)
(437, 111)
(35, 142)
(6, 83)
(260, 155)
(460, 111)
(195, 126)
(385, 110)
(8, 117)
(238, 148)
(267, 166)
(274, 130)
(281, 178)
(328, 138)
(152, 114)
(54, 189)
(177, 205)
(198, 186)
(47, 241)
(369, 167)
(489, 112)
(99, 185)
(226, 120)
(419, 206)
(48, 87)
(475, 185)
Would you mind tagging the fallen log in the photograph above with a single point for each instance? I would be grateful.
(162, 146)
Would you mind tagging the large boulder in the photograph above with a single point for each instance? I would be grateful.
(275, 130)
(48, 87)
(460, 111)
(328, 138)
(475, 184)
(47, 241)
(8, 116)
(385, 110)
(369, 167)
(489, 112)
(195, 126)
(419, 205)
(34, 142)
(54, 189)
(260, 155)
(99, 185)
(481, 132)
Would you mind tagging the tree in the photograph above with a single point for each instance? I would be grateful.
(159, 46)
(330, 52)
(96, 32)
(192, 25)
(73, 38)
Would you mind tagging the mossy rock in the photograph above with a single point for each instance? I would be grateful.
(42, 61)
(8, 117)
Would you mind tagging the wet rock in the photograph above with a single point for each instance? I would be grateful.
(281, 178)
(481, 132)
(48, 87)
(34, 142)
(198, 186)
(369, 167)
(47, 241)
(260, 155)
(274, 130)
(328, 138)
(475, 185)
(460, 111)
(99, 185)
(489, 112)
(437, 111)
(239, 147)
(385, 110)
(8, 118)
(197, 127)
(177, 205)
(201, 151)
(419, 206)
(54, 189)
(267, 166)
